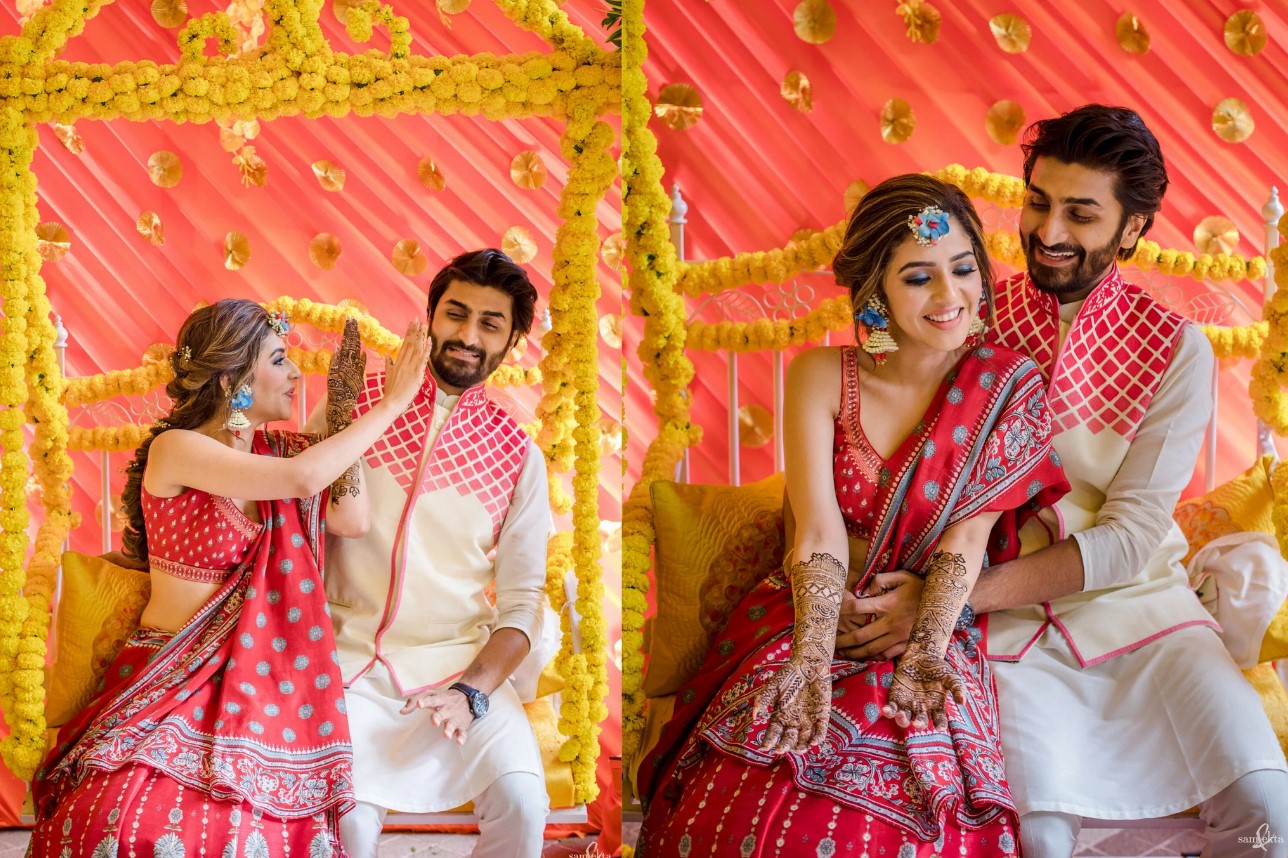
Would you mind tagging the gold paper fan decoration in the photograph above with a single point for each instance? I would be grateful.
(815, 21)
(1216, 234)
(151, 228)
(1231, 121)
(253, 169)
(518, 244)
(921, 19)
(330, 177)
(353, 304)
(118, 519)
(1012, 32)
(408, 259)
(1245, 34)
(170, 13)
(857, 190)
(1132, 35)
(69, 137)
(429, 174)
(52, 241)
(610, 328)
(453, 7)
(1004, 122)
(528, 171)
(27, 8)
(324, 250)
(236, 251)
(797, 91)
(229, 141)
(679, 106)
(755, 426)
(516, 354)
(165, 168)
(612, 250)
(897, 121)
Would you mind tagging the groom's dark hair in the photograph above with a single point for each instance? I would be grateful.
(492, 268)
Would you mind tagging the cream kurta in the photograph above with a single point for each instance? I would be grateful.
(458, 496)
(1124, 703)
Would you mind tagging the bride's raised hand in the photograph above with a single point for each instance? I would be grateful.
(406, 372)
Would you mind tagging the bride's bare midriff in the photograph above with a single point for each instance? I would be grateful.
(174, 601)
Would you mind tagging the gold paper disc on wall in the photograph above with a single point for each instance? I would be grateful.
(1232, 121)
(353, 304)
(340, 8)
(528, 171)
(1132, 35)
(1245, 34)
(856, 191)
(408, 259)
(453, 7)
(170, 13)
(755, 426)
(330, 177)
(897, 121)
(612, 250)
(679, 106)
(519, 245)
(1004, 122)
(430, 176)
(52, 241)
(252, 167)
(921, 19)
(236, 251)
(1216, 234)
(814, 21)
(1012, 32)
(69, 137)
(151, 228)
(165, 169)
(610, 437)
(324, 250)
(796, 90)
(610, 328)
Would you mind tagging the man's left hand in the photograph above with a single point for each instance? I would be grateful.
(448, 709)
(893, 597)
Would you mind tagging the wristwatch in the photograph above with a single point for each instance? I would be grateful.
(967, 618)
(477, 699)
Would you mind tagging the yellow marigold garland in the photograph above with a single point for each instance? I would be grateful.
(1270, 372)
(652, 281)
(296, 73)
(1242, 342)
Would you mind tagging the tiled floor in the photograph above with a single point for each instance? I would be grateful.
(13, 844)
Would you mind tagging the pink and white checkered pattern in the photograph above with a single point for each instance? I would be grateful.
(1113, 359)
(479, 452)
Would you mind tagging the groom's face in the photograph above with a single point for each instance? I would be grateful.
(1072, 227)
(473, 330)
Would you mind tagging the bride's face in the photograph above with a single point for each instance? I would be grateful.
(933, 291)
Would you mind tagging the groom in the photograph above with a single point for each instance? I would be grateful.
(1117, 698)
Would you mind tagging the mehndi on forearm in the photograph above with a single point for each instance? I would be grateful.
(348, 369)
(942, 599)
(817, 584)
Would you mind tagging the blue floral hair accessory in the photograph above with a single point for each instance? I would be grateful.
(929, 225)
(870, 317)
(279, 323)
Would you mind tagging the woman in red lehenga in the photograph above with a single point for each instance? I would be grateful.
(220, 728)
(917, 451)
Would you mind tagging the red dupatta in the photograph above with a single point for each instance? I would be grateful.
(245, 702)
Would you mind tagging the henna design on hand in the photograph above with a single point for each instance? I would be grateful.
(798, 697)
(924, 679)
(343, 383)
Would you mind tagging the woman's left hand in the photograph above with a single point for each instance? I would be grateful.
(920, 691)
(798, 701)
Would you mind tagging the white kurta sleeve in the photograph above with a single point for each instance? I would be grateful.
(1137, 512)
(521, 551)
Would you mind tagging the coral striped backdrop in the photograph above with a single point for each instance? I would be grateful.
(117, 294)
(754, 169)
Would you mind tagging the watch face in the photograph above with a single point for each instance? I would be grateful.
(478, 704)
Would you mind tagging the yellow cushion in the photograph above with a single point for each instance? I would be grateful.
(1243, 504)
(98, 609)
(714, 544)
(657, 712)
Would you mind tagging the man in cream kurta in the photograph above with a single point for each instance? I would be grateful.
(459, 502)
(1117, 699)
